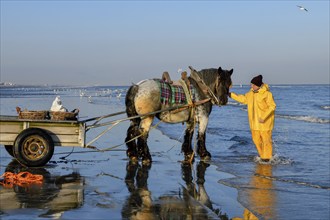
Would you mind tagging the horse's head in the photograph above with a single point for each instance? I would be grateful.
(223, 85)
(215, 82)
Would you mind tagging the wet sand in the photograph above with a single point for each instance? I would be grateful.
(105, 185)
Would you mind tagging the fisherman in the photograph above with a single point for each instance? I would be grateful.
(261, 112)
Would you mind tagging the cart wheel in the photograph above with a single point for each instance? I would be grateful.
(9, 149)
(33, 147)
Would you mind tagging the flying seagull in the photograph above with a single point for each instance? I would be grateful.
(302, 8)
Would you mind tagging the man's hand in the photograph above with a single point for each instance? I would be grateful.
(261, 120)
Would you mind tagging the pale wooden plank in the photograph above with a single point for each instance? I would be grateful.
(4, 137)
(10, 127)
(59, 130)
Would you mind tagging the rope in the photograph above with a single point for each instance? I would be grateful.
(63, 158)
(21, 179)
(195, 142)
(105, 131)
(113, 147)
(180, 138)
(136, 137)
(97, 119)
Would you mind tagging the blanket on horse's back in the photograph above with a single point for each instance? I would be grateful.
(174, 94)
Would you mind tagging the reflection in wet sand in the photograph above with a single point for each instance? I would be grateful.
(193, 203)
(56, 194)
(260, 195)
(199, 193)
(139, 204)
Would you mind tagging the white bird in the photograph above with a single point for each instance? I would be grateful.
(89, 99)
(302, 8)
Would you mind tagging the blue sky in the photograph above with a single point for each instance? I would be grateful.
(121, 42)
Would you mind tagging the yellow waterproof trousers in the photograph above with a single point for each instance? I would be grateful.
(263, 142)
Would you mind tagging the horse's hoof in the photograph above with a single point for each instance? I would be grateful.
(189, 158)
(146, 161)
(134, 159)
(206, 158)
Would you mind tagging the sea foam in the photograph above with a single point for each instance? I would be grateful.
(310, 119)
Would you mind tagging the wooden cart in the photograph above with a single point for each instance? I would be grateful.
(32, 141)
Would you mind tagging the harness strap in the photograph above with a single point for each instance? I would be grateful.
(201, 84)
(193, 105)
(187, 91)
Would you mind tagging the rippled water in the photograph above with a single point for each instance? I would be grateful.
(296, 184)
(297, 181)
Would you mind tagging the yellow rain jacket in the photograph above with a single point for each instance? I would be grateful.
(261, 105)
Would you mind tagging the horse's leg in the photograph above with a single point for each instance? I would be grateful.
(132, 132)
(131, 169)
(143, 149)
(186, 146)
(201, 168)
(202, 197)
(188, 178)
(201, 148)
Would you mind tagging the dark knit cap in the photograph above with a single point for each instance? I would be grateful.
(257, 80)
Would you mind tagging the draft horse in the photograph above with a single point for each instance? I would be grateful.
(211, 86)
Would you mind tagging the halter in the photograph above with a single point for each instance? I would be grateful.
(205, 88)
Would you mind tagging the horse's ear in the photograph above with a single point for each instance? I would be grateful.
(220, 70)
(231, 71)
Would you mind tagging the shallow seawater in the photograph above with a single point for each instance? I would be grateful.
(294, 185)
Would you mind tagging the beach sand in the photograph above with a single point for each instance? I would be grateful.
(105, 185)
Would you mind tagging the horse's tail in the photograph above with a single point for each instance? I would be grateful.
(129, 101)
(133, 129)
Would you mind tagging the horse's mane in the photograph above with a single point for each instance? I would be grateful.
(209, 76)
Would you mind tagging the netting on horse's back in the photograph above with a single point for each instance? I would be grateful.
(173, 94)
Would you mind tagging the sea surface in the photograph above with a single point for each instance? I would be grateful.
(296, 183)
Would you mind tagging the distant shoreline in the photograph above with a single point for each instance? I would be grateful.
(11, 85)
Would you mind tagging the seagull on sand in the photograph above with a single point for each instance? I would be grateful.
(302, 8)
